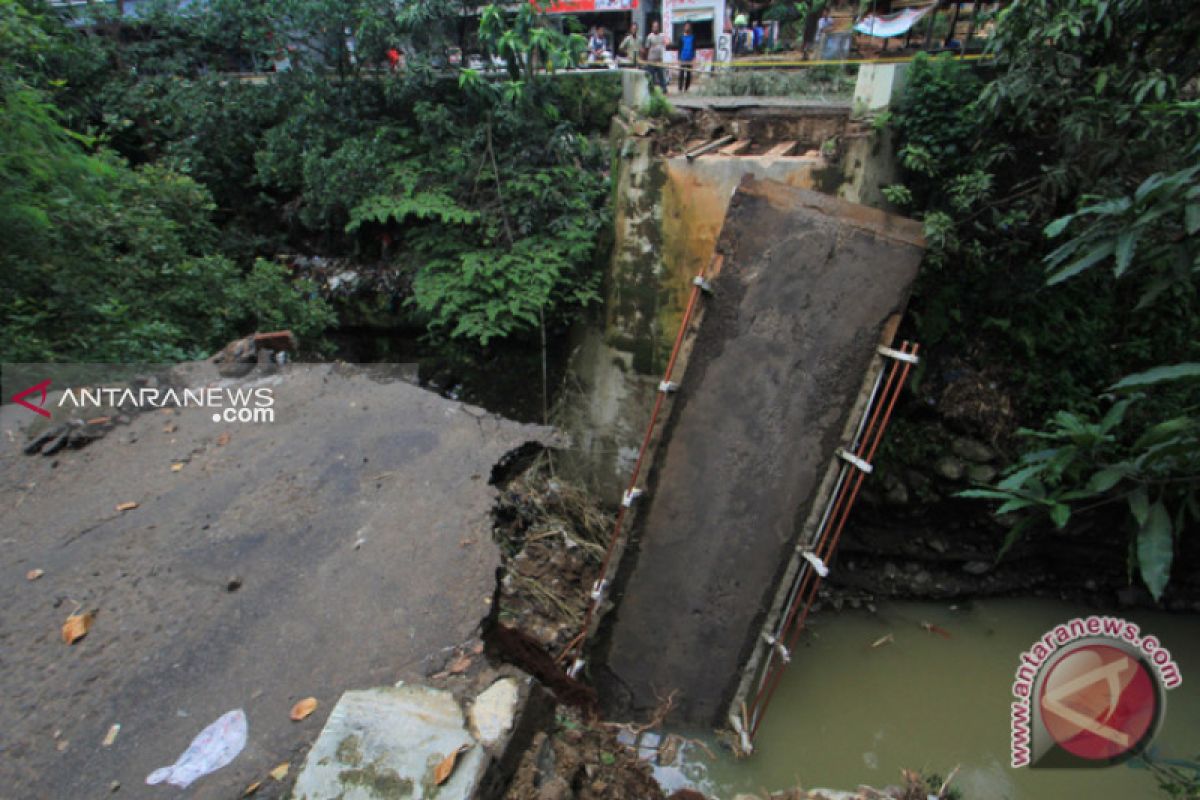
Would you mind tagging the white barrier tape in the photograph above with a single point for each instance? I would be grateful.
(849, 457)
(911, 358)
(629, 496)
(666, 387)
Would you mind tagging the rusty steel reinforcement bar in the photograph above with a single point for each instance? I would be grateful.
(786, 620)
(575, 648)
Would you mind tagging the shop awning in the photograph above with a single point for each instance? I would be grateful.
(586, 6)
(883, 26)
(691, 14)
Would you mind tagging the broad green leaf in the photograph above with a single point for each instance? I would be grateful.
(1015, 504)
(983, 494)
(1094, 256)
(1105, 479)
(1139, 505)
(1060, 514)
(1155, 549)
(1161, 374)
(1058, 226)
(1126, 243)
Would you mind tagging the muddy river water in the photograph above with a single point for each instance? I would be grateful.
(848, 713)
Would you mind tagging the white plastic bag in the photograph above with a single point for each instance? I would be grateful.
(213, 748)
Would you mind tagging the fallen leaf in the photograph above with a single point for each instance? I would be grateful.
(177, 467)
(34, 574)
(252, 788)
(303, 708)
(126, 506)
(459, 665)
(99, 421)
(443, 771)
(76, 626)
(170, 428)
(62, 746)
(111, 736)
(940, 631)
(223, 439)
(280, 772)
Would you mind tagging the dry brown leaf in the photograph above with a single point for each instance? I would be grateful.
(76, 626)
(34, 574)
(280, 772)
(99, 420)
(111, 736)
(170, 428)
(223, 439)
(177, 467)
(252, 788)
(446, 768)
(303, 708)
(126, 506)
(459, 665)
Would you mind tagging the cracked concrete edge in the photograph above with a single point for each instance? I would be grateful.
(364, 749)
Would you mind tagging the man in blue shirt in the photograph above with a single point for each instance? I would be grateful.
(687, 56)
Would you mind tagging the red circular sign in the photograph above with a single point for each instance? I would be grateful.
(1098, 702)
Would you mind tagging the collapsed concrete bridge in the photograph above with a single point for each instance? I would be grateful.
(744, 472)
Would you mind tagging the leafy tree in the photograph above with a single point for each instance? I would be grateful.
(102, 261)
(1086, 130)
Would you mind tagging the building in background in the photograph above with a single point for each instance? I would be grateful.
(714, 38)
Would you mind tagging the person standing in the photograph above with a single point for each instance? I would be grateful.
(630, 46)
(687, 56)
(656, 49)
(739, 29)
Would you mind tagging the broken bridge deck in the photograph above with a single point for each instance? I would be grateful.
(809, 284)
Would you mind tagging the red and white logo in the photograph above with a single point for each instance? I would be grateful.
(1090, 693)
(40, 388)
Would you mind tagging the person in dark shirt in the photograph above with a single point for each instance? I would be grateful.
(687, 57)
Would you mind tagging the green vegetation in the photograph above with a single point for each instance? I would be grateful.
(147, 190)
(1061, 210)
(101, 259)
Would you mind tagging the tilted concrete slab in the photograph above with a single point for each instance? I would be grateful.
(808, 285)
(387, 743)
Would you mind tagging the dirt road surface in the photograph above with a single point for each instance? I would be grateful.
(346, 545)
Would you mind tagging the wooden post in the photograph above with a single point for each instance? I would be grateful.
(953, 23)
(929, 30)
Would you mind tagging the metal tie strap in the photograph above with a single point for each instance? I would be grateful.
(783, 652)
(850, 458)
(598, 589)
(704, 285)
(911, 358)
(576, 668)
(629, 496)
(815, 561)
(666, 387)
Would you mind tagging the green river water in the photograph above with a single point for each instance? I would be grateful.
(849, 714)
